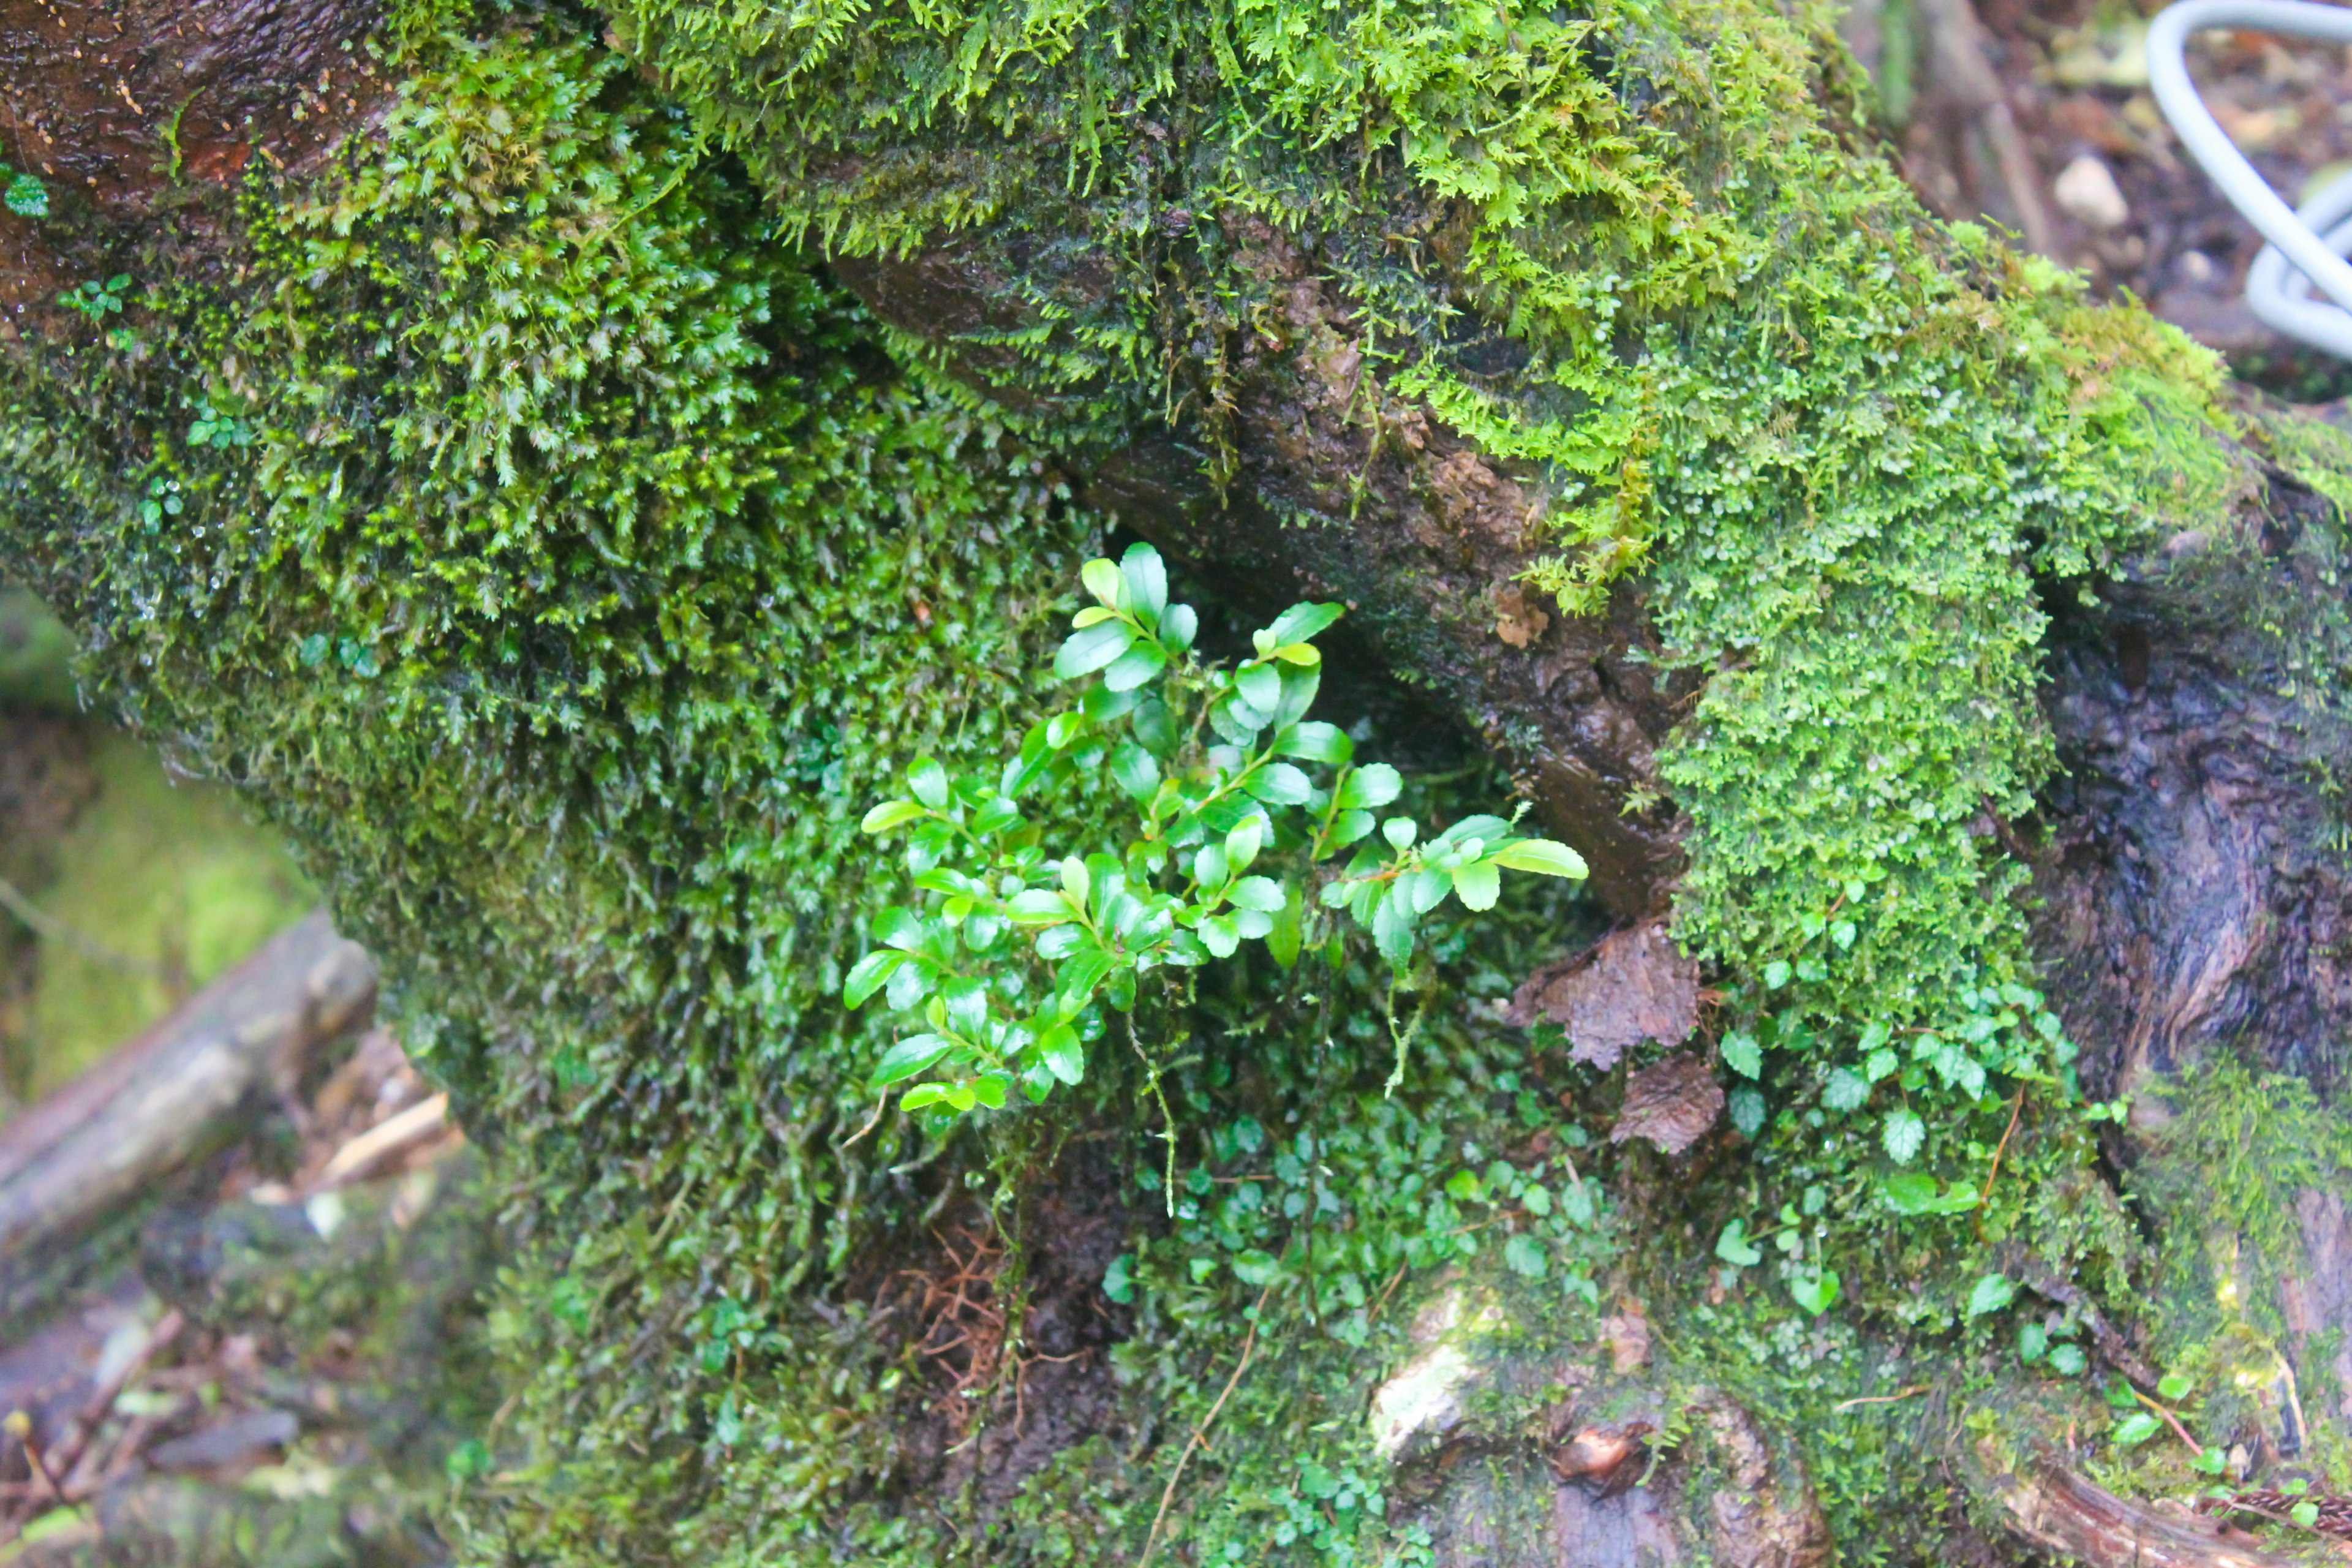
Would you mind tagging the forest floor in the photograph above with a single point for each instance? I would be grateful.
(2038, 115)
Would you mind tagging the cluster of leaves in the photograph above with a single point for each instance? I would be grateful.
(2006, 1031)
(1012, 955)
(1340, 1216)
(95, 298)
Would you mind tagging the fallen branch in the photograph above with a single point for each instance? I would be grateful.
(178, 1091)
(2056, 1508)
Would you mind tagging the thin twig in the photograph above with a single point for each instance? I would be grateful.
(1913, 1392)
(1385, 1290)
(2016, 1108)
(873, 1121)
(2170, 1420)
(1249, 1343)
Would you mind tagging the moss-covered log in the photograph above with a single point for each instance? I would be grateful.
(568, 499)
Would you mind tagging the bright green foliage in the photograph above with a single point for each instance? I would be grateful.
(560, 560)
(1204, 753)
(1845, 446)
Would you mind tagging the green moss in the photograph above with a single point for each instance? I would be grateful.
(549, 546)
(1844, 446)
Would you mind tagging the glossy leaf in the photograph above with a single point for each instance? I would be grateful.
(1543, 856)
(1478, 885)
(1300, 622)
(928, 783)
(909, 1057)
(1147, 581)
(867, 977)
(1083, 653)
(1103, 580)
(890, 814)
(1371, 786)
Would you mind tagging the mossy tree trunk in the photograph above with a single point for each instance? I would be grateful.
(476, 470)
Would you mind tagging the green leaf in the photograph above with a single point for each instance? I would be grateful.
(2033, 1342)
(890, 814)
(1103, 580)
(1279, 784)
(1289, 928)
(1741, 1054)
(1542, 855)
(2068, 1361)
(866, 978)
(929, 781)
(27, 197)
(1370, 787)
(909, 1057)
(1746, 1108)
(2305, 1514)
(1776, 975)
(1177, 626)
(1300, 622)
(1253, 1266)
(1910, 1192)
(1075, 881)
(2138, 1426)
(1845, 1091)
(1348, 826)
(1903, 1133)
(1147, 580)
(1118, 1280)
(2173, 1387)
(1134, 770)
(1992, 1293)
(1393, 930)
(1038, 907)
(1425, 889)
(1477, 886)
(1063, 1057)
(1315, 741)
(1084, 652)
(1261, 893)
(1219, 935)
(1243, 843)
(1524, 1255)
(1816, 1292)
(924, 1094)
(1734, 1248)
(1260, 685)
(1136, 666)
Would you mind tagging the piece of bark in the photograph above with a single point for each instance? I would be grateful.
(2065, 1515)
(183, 1088)
(1632, 985)
(1672, 1104)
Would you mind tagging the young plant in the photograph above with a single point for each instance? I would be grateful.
(1238, 806)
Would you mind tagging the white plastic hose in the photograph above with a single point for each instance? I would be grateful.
(2279, 285)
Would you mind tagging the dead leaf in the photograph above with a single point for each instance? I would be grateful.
(1627, 1335)
(1632, 985)
(1519, 617)
(1672, 1104)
